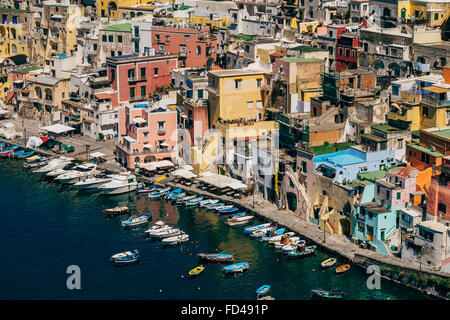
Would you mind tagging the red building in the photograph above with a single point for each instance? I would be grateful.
(195, 47)
(137, 77)
(347, 52)
(438, 203)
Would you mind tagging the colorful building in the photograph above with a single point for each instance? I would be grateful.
(136, 77)
(438, 204)
(146, 134)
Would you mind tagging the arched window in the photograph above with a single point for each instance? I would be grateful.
(38, 92)
(48, 94)
(13, 48)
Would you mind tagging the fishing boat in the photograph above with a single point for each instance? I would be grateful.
(301, 253)
(91, 183)
(54, 164)
(165, 233)
(252, 229)
(176, 239)
(136, 220)
(126, 257)
(25, 154)
(292, 246)
(16, 153)
(328, 263)
(172, 193)
(116, 210)
(216, 257)
(261, 232)
(158, 193)
(214, 205)
(238, 214)
(6, 151)
(342, 269)
(196, 271)
(186, 198)
(227, 209)
(145, 189)
(206, 202)
(237, 221)
(121, 183)
(158, 225)
(78, 173)
(193, 202)
(35, 162)
(237, 267)
(285, 241)
(263, 290)
(278, 237)
(327, 294)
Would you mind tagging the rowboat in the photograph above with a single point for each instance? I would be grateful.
(252, 229)
(7, 151)
(263, 290)
(194, 201)
(286, 241)
(116, 210)
(25, 154)
(301, 253)
(158, 193)
(176, 239)
(227, 209)
(172, 193)
(239, 220)
(292, 246)
(327, 294)
(237, 267)
(328, 263)
(237, 214)
(214, 205)
(145, 189)
(158, 227)
(277, 238)
(216, 257)
(126, 257)
(342, 269)
(273, 233)
(261, 232)
(204, 203)
(15, 153)
(35, 163)
(165, 233)
(222, 207)
(177, 196)
(196, 271)
(136, 220)
(184, 199)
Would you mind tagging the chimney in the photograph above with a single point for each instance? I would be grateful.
(447, 75)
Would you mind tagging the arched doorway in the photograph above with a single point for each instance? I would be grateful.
(291, 201)
(345, 227)
(396, 68)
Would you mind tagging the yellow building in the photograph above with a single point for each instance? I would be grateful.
(110, 8)
(237, 94)
(434, 12)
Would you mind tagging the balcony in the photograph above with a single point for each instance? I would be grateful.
(137, 98)
(137, 79)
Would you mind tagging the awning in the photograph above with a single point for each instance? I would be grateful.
(156, 165)
(103, 96)
(183, 173)
(139, 120)
(164, 144)
(436, 89)
(57, 128)
(97, 155)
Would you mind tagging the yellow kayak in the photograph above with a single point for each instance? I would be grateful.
(196, 271)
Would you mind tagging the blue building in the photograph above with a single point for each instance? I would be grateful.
(344, 166)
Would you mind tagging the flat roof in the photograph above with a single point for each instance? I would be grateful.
(45, 80)
(425, 150)
(375, 207)
(121, 27)
(237, 72)
(433, 226)
(387, 128)
(300, 60)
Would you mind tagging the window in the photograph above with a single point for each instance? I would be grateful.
(378, 189)
(304, 166)
(238, 84)
(425, 111)
(250, 105)
(131, 92)
(94, 47)
(110, 38)
(136, 47)
(112, 53)
(395, 90)
(143, 89)
(186, 38)
(119, 39)
(104, 38)
(436, 16)
(199, 50)
(136, 32)
(143, 73)
(258, 83)
(167, 38)
(161, 126)
(161, 47)
(442, 208)
(130, 73)
(155, 71)
(370, 214)
(388, 194)
(399, 195)
(360, 227)
(200, 94)
(347, 52)
(157, 37)
(340, 51)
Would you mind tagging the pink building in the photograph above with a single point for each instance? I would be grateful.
(146, 134)
(196, 120)
(396, 188)
(195, 47)
(137, 77)
(438, 204)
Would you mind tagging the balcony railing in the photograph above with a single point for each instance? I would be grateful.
(137, 98)
(136, 79)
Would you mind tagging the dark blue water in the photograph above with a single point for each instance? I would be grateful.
(47, 227)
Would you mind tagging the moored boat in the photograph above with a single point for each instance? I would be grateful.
(204, 203)
(136, 220)
(165, 233)
(116, 210)
(261, 232)
(272, 240)
(176, 239)
(252, 229)
(237, 221)
(280, 244)
(237, 267)
(342, 269)
(126, 257)
(263, 290)
(327, 294)
(216, 257)
(25, 154)
(300, 253)
(226, 209)
(158, 193)
(145, 189)
(193, 202)
(328, 263)
(121, 183)
(170, 194)
(196, 271)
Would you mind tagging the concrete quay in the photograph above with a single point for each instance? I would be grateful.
(337, 245)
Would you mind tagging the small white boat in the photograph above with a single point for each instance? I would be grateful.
(176, 239)
(208, 201)
(134, 221)
(126, 257)
(281, 244)
(239, 220)
(54, 164)
(277, 238)
(123, 182)
(261, 232)
(292, 246)
(223, 208)
(78, 173)
(158, 225)
(184, 199)
(166, 233)
(193, 202)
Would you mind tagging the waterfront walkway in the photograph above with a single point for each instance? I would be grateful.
(336, 244)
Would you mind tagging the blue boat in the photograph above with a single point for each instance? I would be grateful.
(227, 210)
(178, 196)
(213, 206)
(216, 257)
(158, 193)
(193, 202)
(238, 214)
(126, 257)
(136, 220)
(263, 290)
(172, 193)
(25, 154)
(145, 189)
(252, 229)
(237, 267)
(16, 153)
(273, 233)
